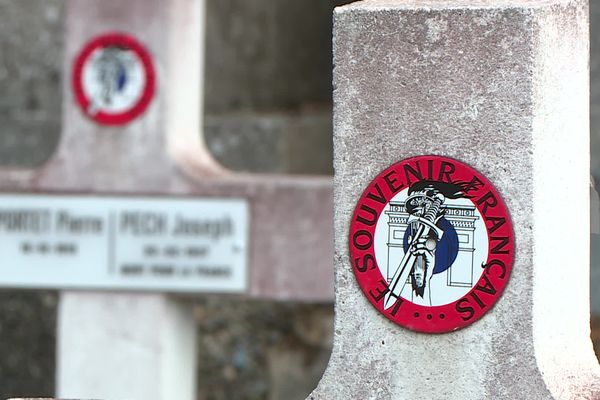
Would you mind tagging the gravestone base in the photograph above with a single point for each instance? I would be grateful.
(137, 346)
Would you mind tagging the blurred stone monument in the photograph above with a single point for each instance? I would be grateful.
(155, 173)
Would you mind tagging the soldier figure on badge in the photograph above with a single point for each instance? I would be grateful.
(430, 242)
(111, 74)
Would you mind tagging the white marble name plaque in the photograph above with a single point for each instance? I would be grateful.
(129, 243)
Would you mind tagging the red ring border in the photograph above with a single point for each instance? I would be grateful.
(432, 319)
(122, 40)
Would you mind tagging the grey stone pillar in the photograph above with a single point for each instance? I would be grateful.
(503, 87)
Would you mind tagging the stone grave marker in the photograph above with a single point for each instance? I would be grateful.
(461, 201)
(131, 215)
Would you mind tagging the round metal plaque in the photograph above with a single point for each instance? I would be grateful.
(431, 244)
(113, 79)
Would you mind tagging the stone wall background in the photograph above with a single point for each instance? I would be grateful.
(268, 109)
(30, 108)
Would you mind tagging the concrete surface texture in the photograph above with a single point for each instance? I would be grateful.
(501, 86)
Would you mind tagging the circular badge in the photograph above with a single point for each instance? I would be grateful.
(113, 79)
(431, 244)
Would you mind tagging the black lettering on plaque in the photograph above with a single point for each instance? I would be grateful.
(381, 291)
(488, 200)
(495, 263)
(365, 243)
(380, 198)
(463, 307)
(368, 258)
(498, 248)
(446, 170)
(416, 173)
(372, 216)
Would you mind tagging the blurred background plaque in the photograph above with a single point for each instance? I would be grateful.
(174, 245)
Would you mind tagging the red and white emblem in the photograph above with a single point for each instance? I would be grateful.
(113, 79)
(431, 244)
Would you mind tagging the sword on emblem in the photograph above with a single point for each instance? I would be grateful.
(425, 225)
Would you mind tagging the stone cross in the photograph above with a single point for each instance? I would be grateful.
(142, 345)
(501, 86)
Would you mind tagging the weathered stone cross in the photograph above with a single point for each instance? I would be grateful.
(142, 345)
